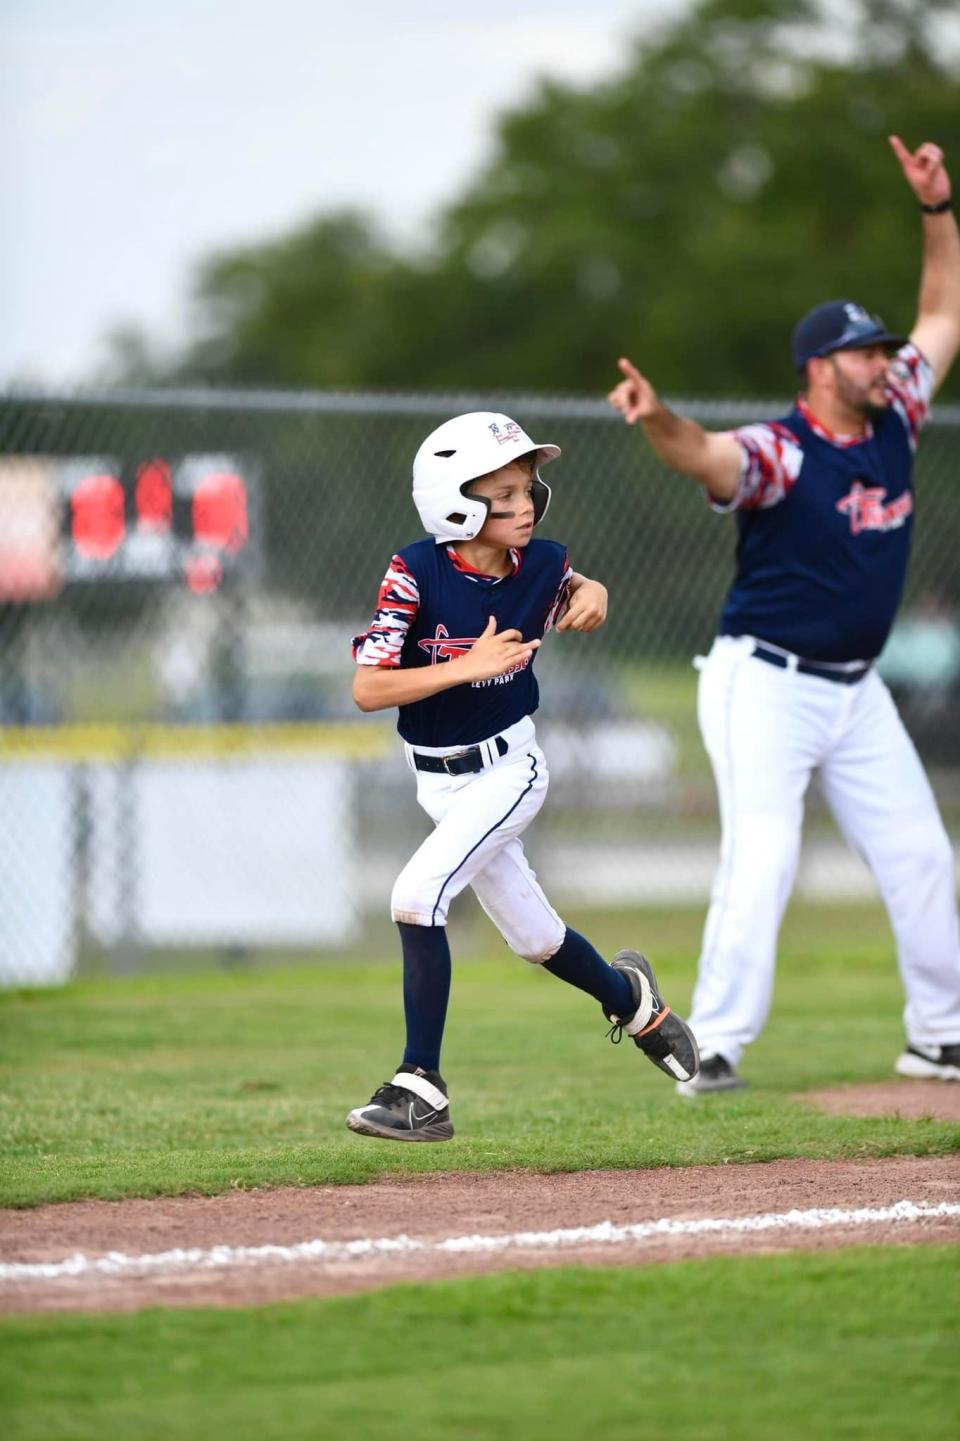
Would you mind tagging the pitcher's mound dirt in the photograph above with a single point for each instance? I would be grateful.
(431, 1208)
(914, 1100)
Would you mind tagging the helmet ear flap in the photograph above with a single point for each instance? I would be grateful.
(541, 499)
(460, 518)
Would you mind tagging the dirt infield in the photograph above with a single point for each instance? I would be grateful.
(249, 1248)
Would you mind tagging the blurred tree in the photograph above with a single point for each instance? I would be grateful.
(685, 212)
(303, 310)
(129, 357)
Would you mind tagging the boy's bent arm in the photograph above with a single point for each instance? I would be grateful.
(378, 687)
(587, 606)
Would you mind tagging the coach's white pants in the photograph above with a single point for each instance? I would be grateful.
(479, 819)
(766, 729)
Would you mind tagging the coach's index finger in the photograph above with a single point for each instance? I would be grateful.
(899, 149)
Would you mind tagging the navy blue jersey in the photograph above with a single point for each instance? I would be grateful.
(825, 524)
(432, 607)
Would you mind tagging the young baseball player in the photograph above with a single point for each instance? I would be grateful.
(824, 499)
(459, 620)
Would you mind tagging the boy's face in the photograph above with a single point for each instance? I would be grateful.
(510, 493)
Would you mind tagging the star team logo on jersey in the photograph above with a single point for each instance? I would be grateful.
(445, 647)
(864, 505)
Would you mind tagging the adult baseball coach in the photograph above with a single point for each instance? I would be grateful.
(824, 506)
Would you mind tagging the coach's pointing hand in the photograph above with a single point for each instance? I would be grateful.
(923, 170)
(494, 654)
(634, 397)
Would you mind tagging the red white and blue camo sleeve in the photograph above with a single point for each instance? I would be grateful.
(910, 389)
(562, 598)
(397, 605)
(770, 464)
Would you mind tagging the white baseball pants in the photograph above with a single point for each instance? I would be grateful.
(479, 819)
(766, 729)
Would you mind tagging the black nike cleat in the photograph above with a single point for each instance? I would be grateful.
(715, 1077)
(930, 1063)
(659, 1032)
(411, 1107)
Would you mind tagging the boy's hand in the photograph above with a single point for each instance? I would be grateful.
(494, 654)
(634, 397)
(587, 608)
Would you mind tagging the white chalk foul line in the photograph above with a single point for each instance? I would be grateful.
(117, 1263)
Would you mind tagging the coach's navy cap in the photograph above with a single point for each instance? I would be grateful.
(839, 325)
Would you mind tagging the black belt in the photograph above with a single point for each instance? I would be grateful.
(458, 763)
(810, 667)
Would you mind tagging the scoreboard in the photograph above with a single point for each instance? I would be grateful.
(191, 518)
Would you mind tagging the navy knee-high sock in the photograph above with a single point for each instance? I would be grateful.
(426, 990)
(580, 965)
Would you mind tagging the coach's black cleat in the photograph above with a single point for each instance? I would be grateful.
(715, 1077)
(662, 1036)
(930, 1063)
(411, 1107)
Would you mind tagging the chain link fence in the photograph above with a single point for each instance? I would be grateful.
(182, 771)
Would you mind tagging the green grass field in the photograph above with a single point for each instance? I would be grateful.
(855, 1344)
(206, 1081)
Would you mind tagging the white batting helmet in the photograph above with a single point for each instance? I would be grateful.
(461, 450)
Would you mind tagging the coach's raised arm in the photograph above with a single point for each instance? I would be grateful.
(936, 331)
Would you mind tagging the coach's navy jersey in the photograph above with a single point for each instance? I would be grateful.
(825, 524)
(433, 606)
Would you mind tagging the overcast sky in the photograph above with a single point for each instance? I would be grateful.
(136, 137)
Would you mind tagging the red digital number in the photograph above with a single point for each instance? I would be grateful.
(153, 495)
(97, 516)
(220, 511)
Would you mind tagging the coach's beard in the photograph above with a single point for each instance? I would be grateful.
(872, 411)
